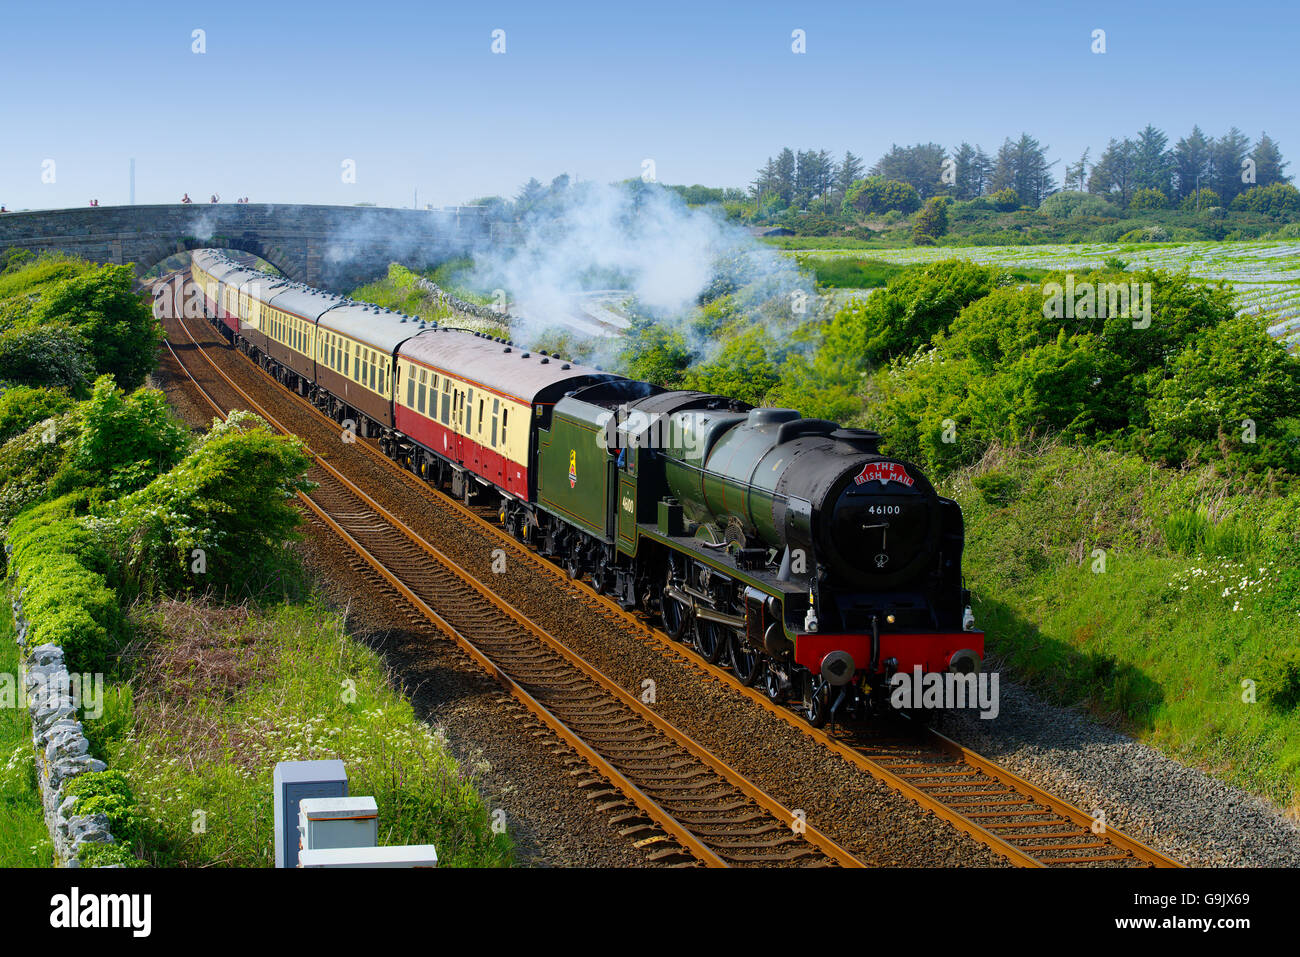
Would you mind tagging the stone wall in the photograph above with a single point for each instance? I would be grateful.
(460, 305)
(333, 247)
(61, 750)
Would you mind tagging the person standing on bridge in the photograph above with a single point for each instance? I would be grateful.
(215, 198)
(186, 199)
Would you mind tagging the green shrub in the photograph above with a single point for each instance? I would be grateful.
(30, 461)
(1275, 199)
(231, 497)
(1208, 199)
(1148, 199)
(53, 354)
(66, 600)
(1005, 199)
(1069, 204)
(108, 793)
(115, 321)
(124, 440)
(875, 194)
(21, 407)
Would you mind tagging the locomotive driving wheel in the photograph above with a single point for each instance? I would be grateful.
(816, 700)
(710, 640)
(676, 616)
(747, 662)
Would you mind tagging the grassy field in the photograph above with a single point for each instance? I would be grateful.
(24, 841)
(219, 694)
(1197, 592)
(1265, 274)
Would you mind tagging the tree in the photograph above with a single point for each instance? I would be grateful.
(1153, 163)
(783, 185)
(1076, 175)
(1192, 162)
(850, 169)
(1269, 164)
(1226, 158)
(971, 169)
(875, 194)
(1022, 166)
(1148, 199)
(920, 166)
(530, 194)
(1115, 173)
(931, 221)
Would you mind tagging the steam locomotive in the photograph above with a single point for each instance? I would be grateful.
(787, 549)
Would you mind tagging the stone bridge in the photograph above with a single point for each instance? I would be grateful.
(334, 247)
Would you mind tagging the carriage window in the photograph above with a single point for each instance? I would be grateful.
(410, 391)
(423, 390)
(446, 402)
(505, 417)
(469, 412)
(347, 356)
(496, 406)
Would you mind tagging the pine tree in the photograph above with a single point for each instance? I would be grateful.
(850, 169)
(1191, 162)
(1226, 156)
(1269, 164)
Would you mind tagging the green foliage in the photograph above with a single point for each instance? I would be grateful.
(108, 793)
(1146, 234)
(212, 742)
(1207, 199)
(1229, 376)
(56, 566)
(932, 220)
(24, 841)
(1068, 204)
(1005, 199)
(52, 354)
(1006, 368)
(21, 407)
(747, 367)
(875, 194)
(912, 307)
(1148, 199)
(655, 353)
(124, 441)
(1276, 199)
(232, 497)
(114, 321)
(30, 461)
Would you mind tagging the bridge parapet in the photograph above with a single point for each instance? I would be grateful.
(334, 247)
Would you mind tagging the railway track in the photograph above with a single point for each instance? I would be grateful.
(1015, 818)
(663, 790)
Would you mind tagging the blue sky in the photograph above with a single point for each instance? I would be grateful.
(411, 92)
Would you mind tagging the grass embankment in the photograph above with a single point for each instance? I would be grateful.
(851, 273)
(24, 842)
(216, 695)
(1198, 592)
(398, 290)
